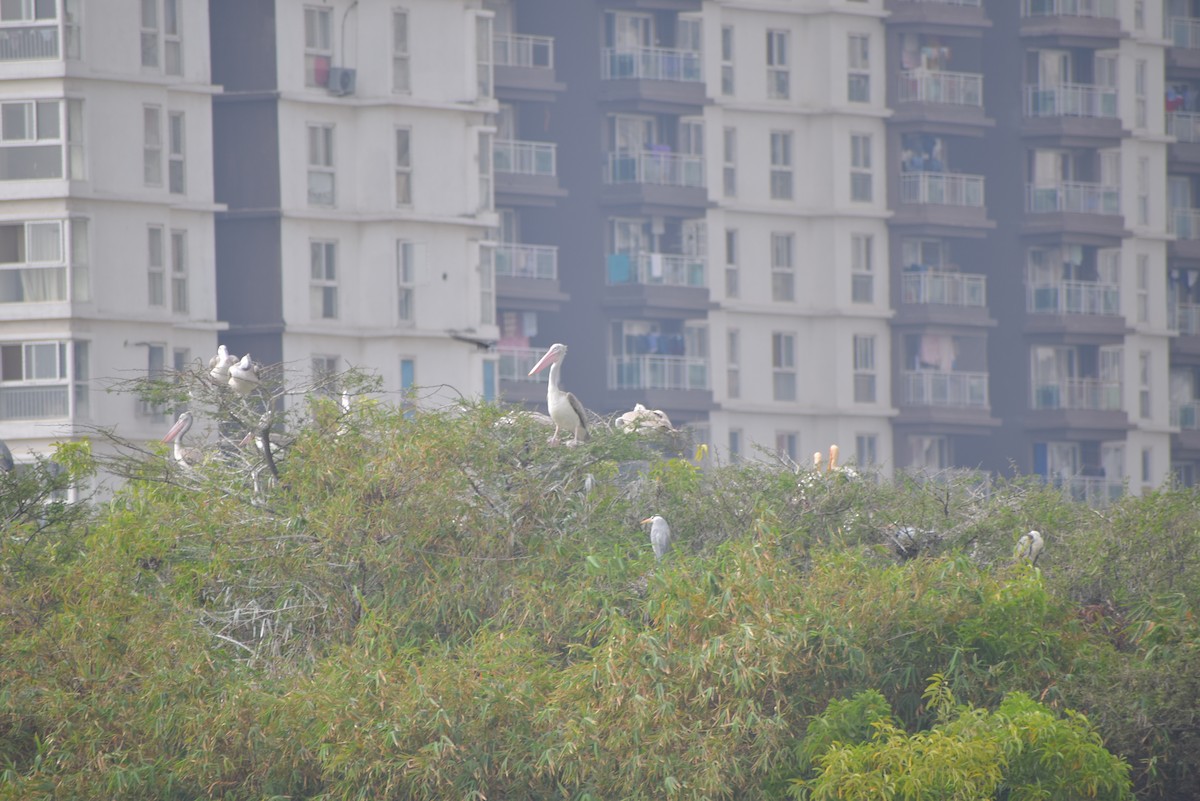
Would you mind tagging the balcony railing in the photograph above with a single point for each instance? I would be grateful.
(527, 261)
(1089, 394)
(952, 88)
(1074, 196)
(515, 363)
(35, 403)
(1071, 100)
(524, 158)
(1184, 318)
(652, 63)
(1184, 32)
(653, 167)
(1184, 125)
(521, 50)
(1105, 9)
(658, 372)
(941, 188)
(28, 42)
(1186, 415)
(662, 269)
(33, 284)
(950, 2)
(1184, 222)
(943, 289)
(1095, 491)
(959, 390)
(1075, 297)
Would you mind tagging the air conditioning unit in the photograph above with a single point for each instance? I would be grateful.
(342, 80)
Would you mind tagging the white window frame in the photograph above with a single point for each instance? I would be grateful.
(322, 164)
(323, 279)
(1143, 288)
(487, 284)
(31, 113)
(152, 145)
(787, 445)
(728, 85)
(733, 360)
(860, 168)
(156, 266)
(151, 30)
(176, 153)
(406, 282)
(1145, 374)
(732, 272)
(180, 303)
(485, 85)
(404, 166)
(401, 61)
(483, 158)
(172, 27)
(778, 69)
(782, 179)
(862, 268)
(866, 450)
(783, 266)
(865, 390)
(318, 43)
(858, 62)
(729, 166)
(783, 366)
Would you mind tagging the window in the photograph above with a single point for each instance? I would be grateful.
(733, 358)
(778, 75)
(176, 171)
(1147, 464)
(783, 276)
(27, 10)
(179, 282)
(152, 146)
(866, 450)
(179, 359)
(172, 39)
(408, 376)
(486, 200)
(156, 369)
(1143, 187)
(150, 31)
(732, 288)
(483, 56)
(322, 190)
(487, 285)
(155, 266)
(858, 88)
(864, 369)
(489, 380)
(735, 445)
(729, 174)
(325, 369)
(324, 288)
(401, 80)
(1143, 288)
(781, 165)
(1139, 15)
(34, 263)
(71, 39)
(75, 163)
(406, 272)
(1144, 385)
(862, 278)
(787, 445)
(1139, 92)
(403, 166)
(38, 373)
(860, 168)
(727, 86)
(318, 47)
(31, 139)
(783, 365)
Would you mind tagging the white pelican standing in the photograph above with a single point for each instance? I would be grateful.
(1029, 546)
(218, 366)
(565, 409)
(243, 376)
(660, 536)
(184, 456)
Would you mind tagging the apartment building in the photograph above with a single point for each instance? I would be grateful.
(106, 211)
(355, 154)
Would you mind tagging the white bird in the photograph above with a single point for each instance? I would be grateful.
(184, 456)
(643, 419)
(6, 460)
(1029, 546)
(243, 376)
(218, 366)
(660, 536)
(565, 409)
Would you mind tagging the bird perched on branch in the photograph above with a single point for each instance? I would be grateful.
(1029, 547)
(243, 376)
(183, 455)
(218, 366)
(565, 409)
(660, 536)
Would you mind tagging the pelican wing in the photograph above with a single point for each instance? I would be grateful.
(577, 407)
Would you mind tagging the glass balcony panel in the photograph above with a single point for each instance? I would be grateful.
(1075, 297)
(1075, 197)
(661, 269)
(521, 50)
(524, 158)
(1104, 9)
(945, 289)
(1087, 394)
(655, 167)
(960, 390)
(652, 63)
(527, 261)
(658, 372)
(1071, 100)
(515, 364)
(951, 88)
(941, 188)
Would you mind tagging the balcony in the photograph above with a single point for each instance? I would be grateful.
(1071, 100)
(50, 402)
(1184, 126)
(966, 15)
(944, 289)
(1077, 23)
(653, 80)
(526, 172)
(1074, 297)
(951, 88)
(1184, 32)
(656, 182)
(538, 262)
(516, 385)
(656, 269)
(652, 64)
(524, 67)
(657, 285)
(1074, 207)
(1185, 318)
(958, 390)
(527, 277)
(1185, 415)
(948, 201)
(1184, 153)
(1094, 491)
(1078, 394)
(28, 42)
(658, 372)
(1184, 223)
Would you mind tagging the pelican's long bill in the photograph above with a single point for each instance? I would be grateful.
(176, 429)
(545, 361)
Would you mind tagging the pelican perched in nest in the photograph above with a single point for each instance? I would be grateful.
(243, 376)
